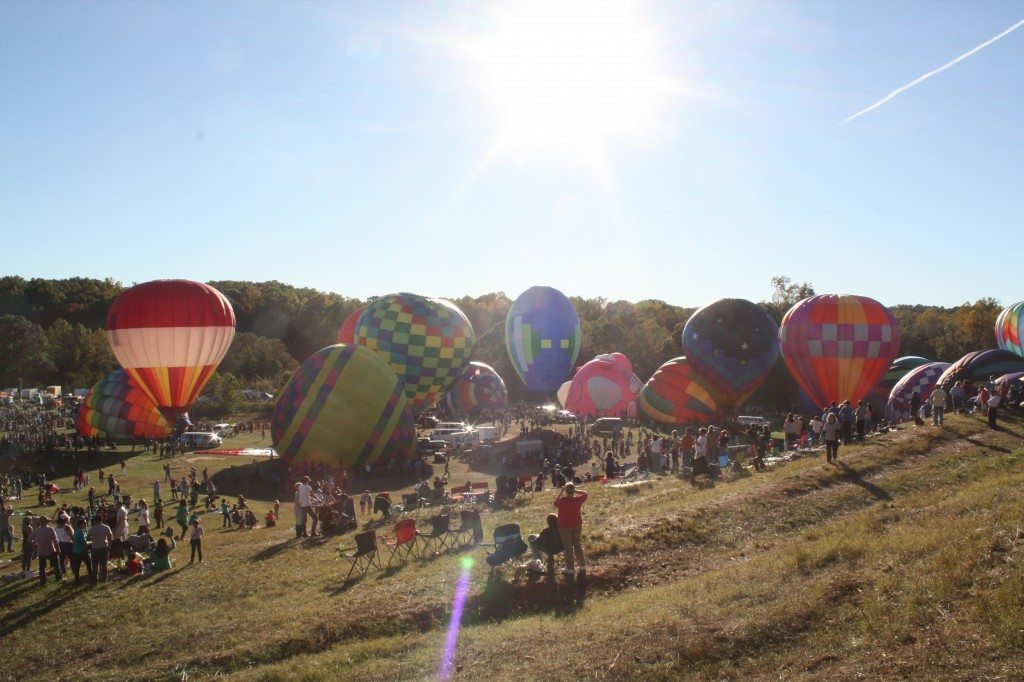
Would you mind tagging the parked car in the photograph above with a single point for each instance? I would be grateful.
(224, 430)
(606, 426)
(199, 440)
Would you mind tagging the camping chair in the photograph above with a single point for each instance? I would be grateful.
(470, 526)
(481, 492)
(411, 502)
(458, 494)
(525, 487)
(440, 535)
(365, 554)
(508, 545)
(404, 542)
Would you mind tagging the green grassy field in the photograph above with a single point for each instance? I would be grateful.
(901, 562)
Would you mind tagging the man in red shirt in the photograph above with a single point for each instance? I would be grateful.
(570, 526)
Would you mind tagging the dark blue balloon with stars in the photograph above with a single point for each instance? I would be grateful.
(733, 344)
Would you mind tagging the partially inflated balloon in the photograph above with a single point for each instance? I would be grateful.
(922, 379)
(1010, 378)
(116, 408)
(897, 370)
(426, 341)
(734, 344)
(838, 347)
(347, 331)
(479, 388)
(542, 336)
(980, 365)
(604, 387)
(676, 394)
(343, 407)
(170, 335)
(1010, 329)
(563, 393)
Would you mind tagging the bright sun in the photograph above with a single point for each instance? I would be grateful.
(567, 77)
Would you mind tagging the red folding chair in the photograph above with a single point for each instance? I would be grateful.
(404, 542)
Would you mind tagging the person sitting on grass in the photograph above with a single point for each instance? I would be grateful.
(134, 565)
(250, 519)
(548, 542)
(270, 520)
(162, 554)
(237, 519)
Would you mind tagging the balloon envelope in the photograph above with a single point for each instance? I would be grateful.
(347, 331)
(923, 379)
(1011, 377)
(838, 347)
(563, 393)
(676, 394)
(542, 336)
(604, 387)
(343, 407)
(897, 370)
(734, 344)
(1010, 329)
(426, 341)
(982, 364)
(479, 388)
(117, 408)
(170, 335)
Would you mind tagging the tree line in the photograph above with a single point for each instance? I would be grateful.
(51, 331)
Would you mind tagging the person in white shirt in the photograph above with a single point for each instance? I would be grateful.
(700, 456)
(196, 540)
(121, 527)
(938, 401)
(143, 517)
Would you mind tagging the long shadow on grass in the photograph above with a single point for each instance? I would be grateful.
(164, 575)
(987, 446)
(274, 550)
(50, 600)
(854, 477)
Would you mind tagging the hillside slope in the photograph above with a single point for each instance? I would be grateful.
(900, 562)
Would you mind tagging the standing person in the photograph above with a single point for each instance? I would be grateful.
(816, 426)
(993, 409)
(101, 535)
(957, 394)
(6, 529)
(27, 548)
(700, 456)
(861, 414)
(302, 498)
(196, 540)
(831, 433)
(80, 552)
(847, 416)
(156, 491)
(915, 408)
(938, 401)
(365, 502)
(47, 549)
(181, 516)
(158, 513)
(65, 541)
(121, 526)
(225, 512)
(143, 517)
(570, 526)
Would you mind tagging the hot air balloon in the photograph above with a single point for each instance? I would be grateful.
(562, 394)
(676, 394)
(542, 336)
(479, 388)
(604, 387)
(1010, 329)
(170, 335)
(1010, 378)
(980, 365)
(838, 347)
(897, 370)
(734, 344)
(923, 379)
(343, 407)
(426, 341)
(347, 331)
(116, 408)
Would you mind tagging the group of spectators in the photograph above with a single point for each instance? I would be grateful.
(965, 398)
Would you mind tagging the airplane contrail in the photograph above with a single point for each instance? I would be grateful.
(942, 68)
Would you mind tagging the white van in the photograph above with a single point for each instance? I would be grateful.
(224, 430)
(199, 440)
(747, 420)
(488, 434)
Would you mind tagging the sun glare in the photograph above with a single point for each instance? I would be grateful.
(569, 76)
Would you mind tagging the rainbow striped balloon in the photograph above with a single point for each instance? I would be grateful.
(838, 347)
(116, 408)
(1010, 329)
(676, 394)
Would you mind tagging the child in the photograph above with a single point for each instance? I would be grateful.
(225, 512)
(277, 509)
(365, 502)
(196, 540)
(158, 514)
(134, 564)
(250, 519)
(270, 519)
(236, 517)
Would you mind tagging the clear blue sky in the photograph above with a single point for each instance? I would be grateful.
(354, 147)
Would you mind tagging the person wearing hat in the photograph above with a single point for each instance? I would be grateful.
(570, 526)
